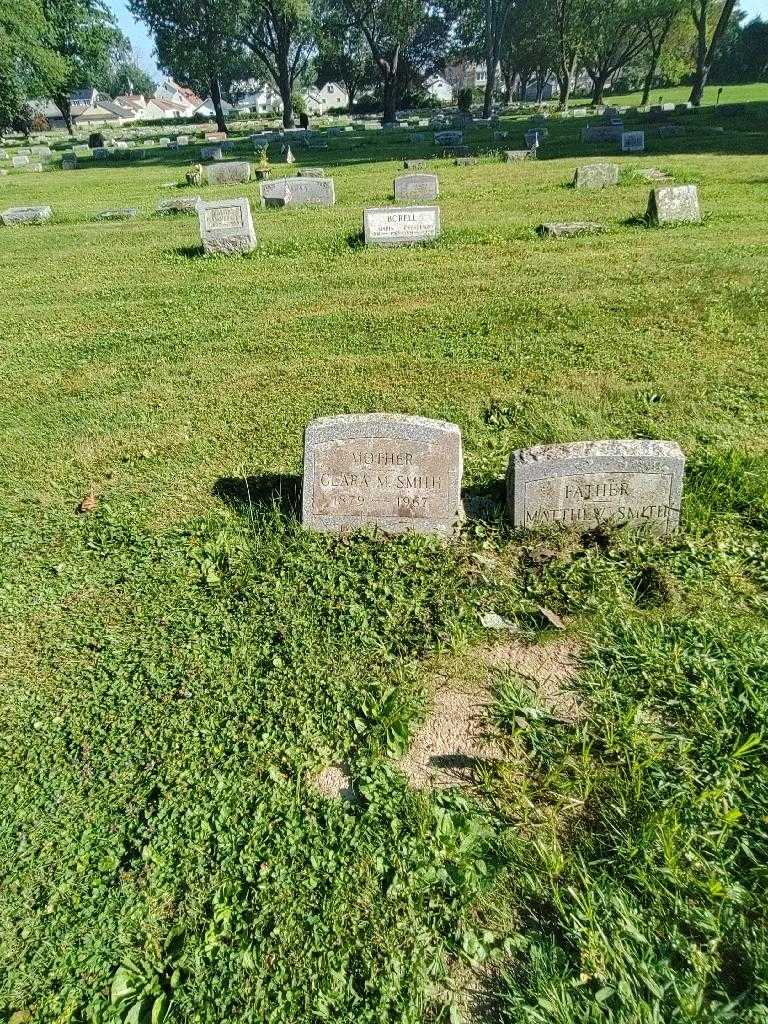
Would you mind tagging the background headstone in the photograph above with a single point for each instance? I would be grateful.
(298, 192)
(211, 153)
(226, 226)
(674, 204)
(235, 172)
(633, 142)
(416, 186)
(397, 473)
(25, 215)
(596, 176)
(594, 483)
(393, 225)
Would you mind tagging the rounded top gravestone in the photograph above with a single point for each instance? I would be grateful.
(396, 473)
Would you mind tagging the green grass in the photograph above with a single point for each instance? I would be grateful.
(175, 665)
(755, 92)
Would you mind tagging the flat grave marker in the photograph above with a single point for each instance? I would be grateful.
(25, 215)
(396, 473)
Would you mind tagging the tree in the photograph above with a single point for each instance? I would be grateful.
(198, 42)
(279, 34)
(343, 55)
(703, 11)
(656, 21)
(614, 37)
(389, 27)
(481, 27)
(27, 63)
(570, 20)
(527, 49)
(87, 40)
(127, 78)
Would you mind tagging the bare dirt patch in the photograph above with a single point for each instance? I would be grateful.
(457, 736)
(453, 739)
(333, 782)
(549, 669)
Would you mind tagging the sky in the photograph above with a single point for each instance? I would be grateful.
(144, 46)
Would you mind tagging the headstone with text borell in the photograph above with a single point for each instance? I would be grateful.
(587, 484)
(388, 225)
(226, 226)
(395, 473)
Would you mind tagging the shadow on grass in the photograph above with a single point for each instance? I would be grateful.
(191, 252)
(356, 240)
(485, 503)
(249, 494)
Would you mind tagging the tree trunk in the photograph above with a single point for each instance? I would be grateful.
(351, 93)
(598, 88)
(390, 97)
(651, 74)
(564, 87)
(221, 124)
(706, 54)
(64, 106)
(700, 77)
(284, 88)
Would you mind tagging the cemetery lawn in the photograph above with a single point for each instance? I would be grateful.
(178, 663)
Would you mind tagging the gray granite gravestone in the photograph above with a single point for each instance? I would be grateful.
(602, 133)
(118, 213)
(450, 138)
(568, 229)
(20, 160)
(388, 225)
(416, 186)
(633, 142)
(69, 162)
(396, 473)
(181, 204)
(414, 165)
(512, 156)
(226, 226)
(235, 172)
(211, 153)
(311, 172)
(596, 176)
(465, 161)
(298, 192)
(25, 215)
(593, 483)
(674, 204)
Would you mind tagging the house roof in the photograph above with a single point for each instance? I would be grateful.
(169, 105)
(97, 111)
(131, 101)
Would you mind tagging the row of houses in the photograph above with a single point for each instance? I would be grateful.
(171, 101)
